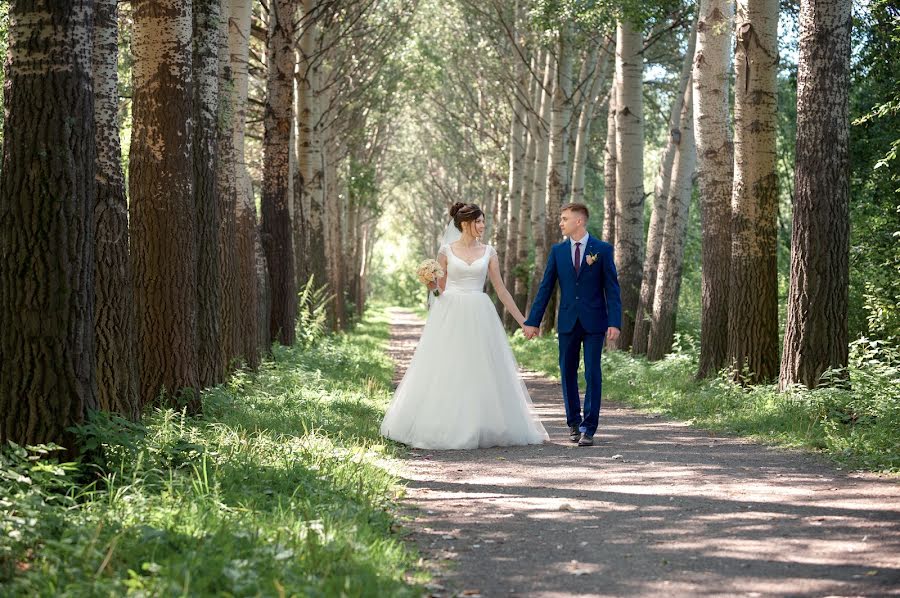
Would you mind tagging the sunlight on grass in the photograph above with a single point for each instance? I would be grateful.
(858, 426)
(280, 488)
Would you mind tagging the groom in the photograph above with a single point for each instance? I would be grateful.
(589, 311)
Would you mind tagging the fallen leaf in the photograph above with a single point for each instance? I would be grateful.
(616, 457)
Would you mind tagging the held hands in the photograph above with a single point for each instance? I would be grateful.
(531, 331)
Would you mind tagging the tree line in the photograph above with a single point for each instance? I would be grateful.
(141, 279)
(541, 96)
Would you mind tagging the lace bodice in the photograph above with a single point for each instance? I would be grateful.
(465, 277)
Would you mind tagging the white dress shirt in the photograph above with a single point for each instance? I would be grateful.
(583, 242)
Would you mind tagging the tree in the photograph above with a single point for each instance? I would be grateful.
(161, 185)
(753, 285)
(661, 202)
(816, 336)
(47, 198)
(226, 181)
(207, 43)
(629, 225)
(671, 256)
(609, 169)
(715, 169)
(276, 218)
(116, 363)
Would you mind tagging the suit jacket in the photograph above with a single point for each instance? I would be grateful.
(591, 296)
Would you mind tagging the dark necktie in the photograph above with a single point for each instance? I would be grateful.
(577, 257)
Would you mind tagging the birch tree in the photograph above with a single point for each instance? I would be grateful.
(163, 209)
(715, 170)
(629, 225)
(816, 336)
(753, 285)
(114, 324)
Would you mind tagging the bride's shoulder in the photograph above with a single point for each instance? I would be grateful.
(489, 249)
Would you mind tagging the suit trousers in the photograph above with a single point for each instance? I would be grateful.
(570, 346)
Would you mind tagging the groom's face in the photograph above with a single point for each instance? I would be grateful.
(570, 222)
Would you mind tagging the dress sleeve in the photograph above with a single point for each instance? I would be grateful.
(442, 250)
(491, 252)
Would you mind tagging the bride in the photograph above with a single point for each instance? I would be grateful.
(462, 389)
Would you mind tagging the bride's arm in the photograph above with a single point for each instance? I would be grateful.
(503, 294)
(442, 281)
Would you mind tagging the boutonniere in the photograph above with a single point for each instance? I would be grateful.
(590, 259)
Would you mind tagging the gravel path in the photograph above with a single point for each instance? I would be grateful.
(657, 508)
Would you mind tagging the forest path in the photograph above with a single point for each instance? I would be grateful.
(656, 508)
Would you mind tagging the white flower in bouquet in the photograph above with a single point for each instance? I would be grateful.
(428, 272)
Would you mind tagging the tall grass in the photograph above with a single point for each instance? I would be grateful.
(280, 488)
(856, 423)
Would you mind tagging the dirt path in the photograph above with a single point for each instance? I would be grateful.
(656, 509)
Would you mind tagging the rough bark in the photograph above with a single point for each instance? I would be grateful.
(671, 257)
(816, 335)
(207, 42)
(247, 265)
(114, 324)
(661, 201)
(629, 173)
(226, 182)
(715, 170)
(161, 184)
(753, 286)
(47, 194)
(276, 219)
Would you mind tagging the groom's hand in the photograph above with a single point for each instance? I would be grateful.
(531, 331)
(612, 334)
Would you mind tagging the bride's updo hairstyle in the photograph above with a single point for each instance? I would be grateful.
(464, 212)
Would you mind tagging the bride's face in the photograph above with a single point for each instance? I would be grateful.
(475, 227)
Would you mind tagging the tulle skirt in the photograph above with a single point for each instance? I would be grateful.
(462, 389)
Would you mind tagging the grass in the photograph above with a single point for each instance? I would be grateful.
(282, 487)
(855, 424)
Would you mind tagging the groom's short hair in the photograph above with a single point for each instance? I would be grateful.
(579, 208)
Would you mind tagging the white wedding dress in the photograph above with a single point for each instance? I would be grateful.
(462, 389)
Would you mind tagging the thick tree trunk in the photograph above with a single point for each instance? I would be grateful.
(661, 200)
(629, 173)
(47, 198)
(116, 361)
(753, 285)
(671, 258)
(161, 182)
(609, 169)
(245, 211)
(207, 42)
(816, 335)
(303, 109)
(539, 205)
(715, 169)
(226, 182)
(558, 170)
(585, 118)
(276, 219)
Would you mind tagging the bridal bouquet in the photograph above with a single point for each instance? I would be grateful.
(428, 272)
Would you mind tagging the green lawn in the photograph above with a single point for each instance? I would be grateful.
(282, 487)
(856, 424)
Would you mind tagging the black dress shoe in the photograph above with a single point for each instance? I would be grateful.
(574, 433)
(586, 440)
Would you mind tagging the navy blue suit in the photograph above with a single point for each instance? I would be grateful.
(589, 304)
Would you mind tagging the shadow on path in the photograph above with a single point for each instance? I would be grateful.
(656, 508)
